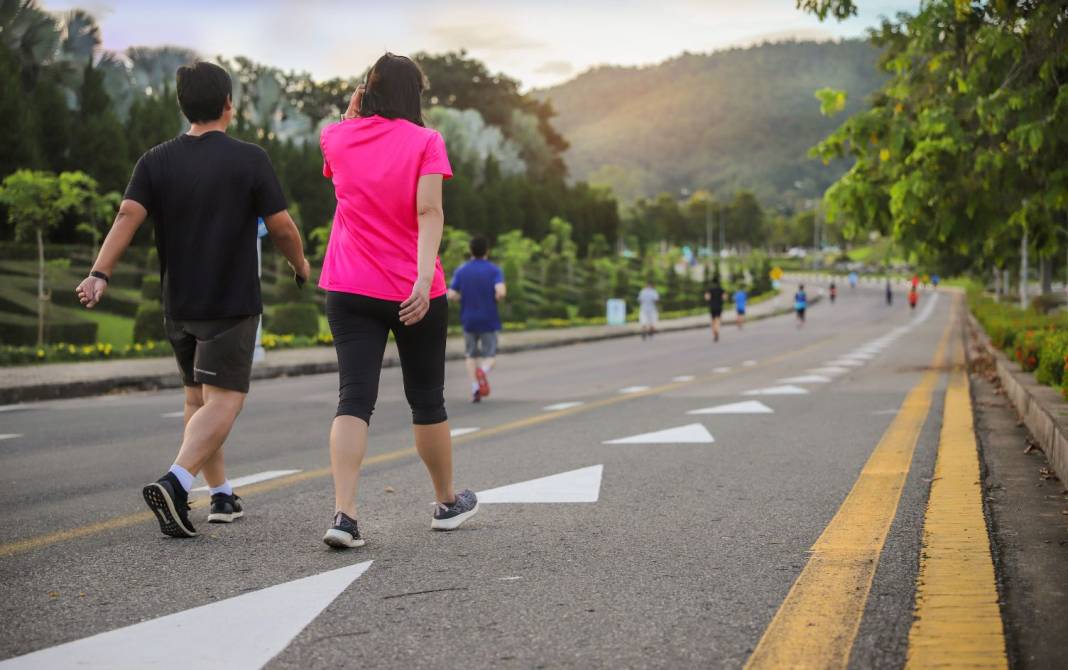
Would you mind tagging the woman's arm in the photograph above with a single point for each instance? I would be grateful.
(431, 226)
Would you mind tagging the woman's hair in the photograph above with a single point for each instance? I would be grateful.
(395, 88)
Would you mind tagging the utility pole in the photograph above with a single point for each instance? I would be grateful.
(708, 225)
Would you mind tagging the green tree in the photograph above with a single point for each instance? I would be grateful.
(32, 201)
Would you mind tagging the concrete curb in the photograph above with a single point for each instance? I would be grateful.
(156, 380)
(1042, 409)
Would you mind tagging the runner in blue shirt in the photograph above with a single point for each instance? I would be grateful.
(479, 285)
(740, 296)
(800, 304)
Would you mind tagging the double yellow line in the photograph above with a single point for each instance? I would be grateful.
(127, 520)
(957, 620)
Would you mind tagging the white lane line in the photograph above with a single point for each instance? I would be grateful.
(847, 362)
(562, 405)
(13, 408)
(10, 436)
(778, 390)
(860, 355)
(457, 432)
(804, 379)
(240, 633)
(750, 363)
(721, 370)
(880, 412)
(744, 407)
(830, 370)
(694, 433)
(575, 486)
(173, 415)
(683, 378)
(633, 389)
(252, 479)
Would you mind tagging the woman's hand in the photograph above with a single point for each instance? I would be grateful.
(354, 103)
(417, 305)
(91, 290)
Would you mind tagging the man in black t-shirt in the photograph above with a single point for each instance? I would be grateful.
(715, 296)
(204, 191)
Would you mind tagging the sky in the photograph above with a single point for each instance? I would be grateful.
(539, 43)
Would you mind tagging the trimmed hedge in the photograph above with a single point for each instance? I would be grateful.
(61, 325)
(148, 324)
(295, 318)
(150, 287)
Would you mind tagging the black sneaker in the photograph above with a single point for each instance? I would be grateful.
(450, 517)
(344, 534)
(170, 503)
(225, 508)
(476, 396)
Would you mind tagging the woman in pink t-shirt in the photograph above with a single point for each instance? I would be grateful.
(381, 274)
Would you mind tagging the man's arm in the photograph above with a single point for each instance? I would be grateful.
(130, 217)
(286, 237)
(500, 290)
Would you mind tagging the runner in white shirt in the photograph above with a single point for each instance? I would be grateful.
(647, 315)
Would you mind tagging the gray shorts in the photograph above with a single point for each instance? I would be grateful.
(480, 345)
(216, 352)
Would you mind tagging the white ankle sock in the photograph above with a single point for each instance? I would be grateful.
(185, 478)
(474, 386)
(225, 487)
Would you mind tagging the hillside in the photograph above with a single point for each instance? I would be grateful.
(743, 118)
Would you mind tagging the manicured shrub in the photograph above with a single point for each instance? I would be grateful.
(148, 324)
(1026, 346)
(1052, 359)
(297, 318)
(150, 287)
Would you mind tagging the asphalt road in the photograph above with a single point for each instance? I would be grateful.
(681, 561)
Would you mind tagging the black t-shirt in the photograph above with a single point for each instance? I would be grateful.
(204, 194)
(715, 300)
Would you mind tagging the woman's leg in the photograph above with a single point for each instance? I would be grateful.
(360, 333)
(421, 348)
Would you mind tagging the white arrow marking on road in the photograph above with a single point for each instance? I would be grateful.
(10, 436)
(750, 363)
(846, 361)
(831, 370)
(721, 370)
(860, 355)
(778, 390)
(253, 479)
(173, 415)
(805, 379)
(239, 633)
(683, 378)
(744, 407)
(562, 405)
(634, 389)
(576, 486)
(693, 433)
(457, 432)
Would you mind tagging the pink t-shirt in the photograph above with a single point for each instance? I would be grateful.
(375, 164)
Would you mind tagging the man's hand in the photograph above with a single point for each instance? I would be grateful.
(354, 103)
(417, 305)
(90, 291)
(303, 271)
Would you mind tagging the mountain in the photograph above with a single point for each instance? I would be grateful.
(728, 120)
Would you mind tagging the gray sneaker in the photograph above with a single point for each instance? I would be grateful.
(450, 517)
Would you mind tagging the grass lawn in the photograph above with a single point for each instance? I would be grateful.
(111, 329)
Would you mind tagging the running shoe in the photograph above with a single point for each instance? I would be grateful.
(344, 534)
(476, 396)
(170, 503)
(451, 517)
(225, 508)
(483, 382)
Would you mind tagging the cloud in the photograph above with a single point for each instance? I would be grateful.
(490, 37)
(558, 68)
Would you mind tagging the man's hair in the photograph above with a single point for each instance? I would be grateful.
(203, 89)
(479, 247)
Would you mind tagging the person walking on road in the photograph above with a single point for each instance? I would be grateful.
(381, 274)
(852, 280)
(833, 292)
(648, 316)
(714, 296)
(800, 304)
(479, 285)
(740, 298)
(204, 191)
(889, 293)
(914, 297)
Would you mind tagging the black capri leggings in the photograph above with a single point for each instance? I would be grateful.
(361, 326)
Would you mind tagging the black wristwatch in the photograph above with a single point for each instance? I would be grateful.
(100, 275)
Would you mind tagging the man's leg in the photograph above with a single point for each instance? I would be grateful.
(214, 469)
(208, 427)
